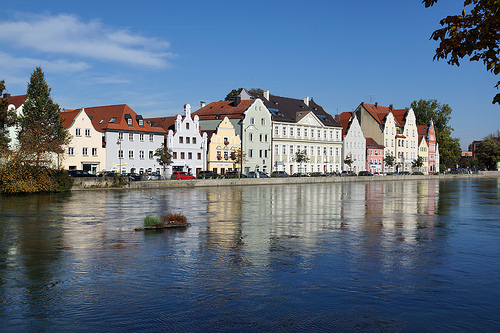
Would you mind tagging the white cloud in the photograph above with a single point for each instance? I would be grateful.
(66, 34)
(10, 63)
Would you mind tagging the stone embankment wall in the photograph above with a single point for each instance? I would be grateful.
(93, 183)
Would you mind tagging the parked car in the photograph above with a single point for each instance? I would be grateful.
(207, 175)
(154, 176)
(253, 174)
(279, 174)
(80, 173)
(234, 174)
(365, 173)
(180, 175)
(317, 174)
(347, 173)
(379, 174)
(300, 174)
(133, 176)
(110, 174)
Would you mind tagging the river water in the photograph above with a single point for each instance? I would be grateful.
(398, 256)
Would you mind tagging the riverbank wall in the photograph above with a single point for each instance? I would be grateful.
(94, 184)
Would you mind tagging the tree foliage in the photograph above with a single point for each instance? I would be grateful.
(389, 160)
(349, 160)
(233, 94)
(7, 118)
(163, 156)
(474, 35)
(417, 163)
(440, 114)
(488, 152)
(41, 130)
(239, 157)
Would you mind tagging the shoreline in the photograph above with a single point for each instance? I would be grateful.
(86, 184)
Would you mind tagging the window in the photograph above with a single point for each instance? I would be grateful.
(183, 155)
(291, 149)
(87, 132)
(266, 138)
(120, 153)
(284, 149)
(312, 133)
(263, 121)
(331, 151)
(131, 137)
(336, 152)
(141, 154)
(129, 122)
(319, 151)
(265, 153)
(190, 156)
(261, 137)
(188, 140)
(392, 142)
(71, 151)
(181, 139)
(151, 154)
(276, 149)
(260, 153)
(251, 137)
(141, 122)
(85, 151)
(187, 126)
(194, 140)
(151, 137)
(174, 155)
(337, 135)
(284, 131)
(252, 121)
(305, 132)
(130, 154)
(298, 132)
(325, 135)
(100, 122)
(319, 134)
(250, 153)
(141, 137)
(112, 120)
(199, 156)
(276, 130)
(94, 151)
(291, 131)
(78, 131)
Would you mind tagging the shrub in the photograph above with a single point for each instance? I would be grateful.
(176, 218)
(153, 221)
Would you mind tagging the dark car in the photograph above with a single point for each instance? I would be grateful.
(153, 176)
(347, 173)
(300, 174)
(207, 175)
(234, 174)
(279, 174)
(110, 174)
(80, 173)
(317, 174)
(180, 175)
(365, 173)
(133, 176)
(258, 174)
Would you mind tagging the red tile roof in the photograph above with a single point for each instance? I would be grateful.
(370, 143)
(344, 119)
(379, 113)
(422, 130)
(167, 123)
(102, 117)
(17, 101)
(218, 110)
(68, 117)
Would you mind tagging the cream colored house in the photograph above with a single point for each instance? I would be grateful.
(85, 151)
(423, 151)
(222, 143)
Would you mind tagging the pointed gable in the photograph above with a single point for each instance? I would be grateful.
(379, 113)
(69, 116)
(17, 101)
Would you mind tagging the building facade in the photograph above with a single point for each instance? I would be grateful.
(353, 143)
(223, 144)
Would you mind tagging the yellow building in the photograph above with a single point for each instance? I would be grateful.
(222, 143)
(423, 152)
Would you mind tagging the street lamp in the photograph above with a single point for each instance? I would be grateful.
(120, 153)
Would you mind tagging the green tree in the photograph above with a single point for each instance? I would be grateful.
(417, 163)
(41, 130)
(163, 156)
(440, 114)
(474, 35)
(301, 157)
(239, 157)
(233, 94)
(389, 160)
(349, 161)
(488, 153)
(7, 118)
(258, 91)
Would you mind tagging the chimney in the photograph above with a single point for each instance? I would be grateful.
(391, 107)
(306, 101)
(237, 100)
(202, 104)
(266, 94)
(376, 105)
(6, 95)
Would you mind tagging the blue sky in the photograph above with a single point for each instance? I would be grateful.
(156, 56)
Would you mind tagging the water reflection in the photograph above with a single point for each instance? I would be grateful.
(343, 256)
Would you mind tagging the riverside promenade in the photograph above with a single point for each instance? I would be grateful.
(100, 184)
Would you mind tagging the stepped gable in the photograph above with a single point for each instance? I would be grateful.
(219, 110)
(115, 117)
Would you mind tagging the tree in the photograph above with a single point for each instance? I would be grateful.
(233, 94)
(163, 156)
(389, 160)
(488, 153)
(440, 114)
(257, 91)
(474, 35)
(7, 118)
(417, 163)
(349, 161)
(301, 157)
(41, 130)
(239, 157)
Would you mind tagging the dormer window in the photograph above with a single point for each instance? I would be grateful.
(112, 120)
(129, 122)
(141, 122)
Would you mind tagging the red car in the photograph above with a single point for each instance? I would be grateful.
(182, 175)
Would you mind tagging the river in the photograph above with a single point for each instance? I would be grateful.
(396, 256)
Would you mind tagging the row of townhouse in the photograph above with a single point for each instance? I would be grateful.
(268, 129)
